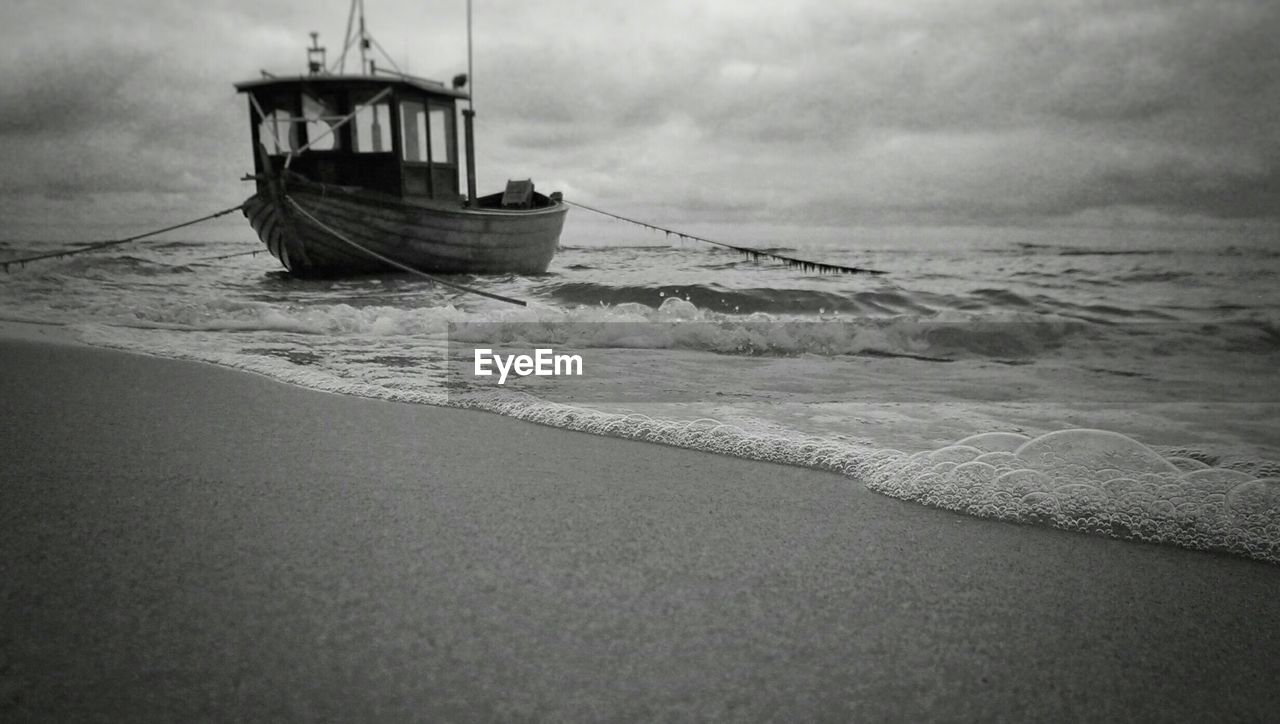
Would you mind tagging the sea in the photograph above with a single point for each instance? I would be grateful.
(1111, 381)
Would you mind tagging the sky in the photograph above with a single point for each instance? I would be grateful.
(120, 114)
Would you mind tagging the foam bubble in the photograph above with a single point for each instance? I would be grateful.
(955, 453)
(1101, 482)
(1216, 480)
(1001, 458)
(675, 308)
(1023, 482)
(1067, 452)
(1256, 497)
(993, 442)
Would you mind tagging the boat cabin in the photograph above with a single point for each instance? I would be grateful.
(394, 135)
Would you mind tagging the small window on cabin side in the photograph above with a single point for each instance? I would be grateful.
(372, 126)
(277, 133)
(321, 112)
(413, 131)
(441, 127)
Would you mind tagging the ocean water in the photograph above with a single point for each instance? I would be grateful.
(1115, 383)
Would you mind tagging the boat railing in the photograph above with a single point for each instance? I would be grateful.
(377, 70)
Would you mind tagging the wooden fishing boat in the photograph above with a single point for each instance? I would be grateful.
(359, 174)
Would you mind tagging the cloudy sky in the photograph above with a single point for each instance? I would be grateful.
(121, 114)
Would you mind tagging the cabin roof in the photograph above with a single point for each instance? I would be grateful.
(353, 81)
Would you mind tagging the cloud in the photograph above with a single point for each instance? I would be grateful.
(902, 111)
(986, 111)
(66, 94)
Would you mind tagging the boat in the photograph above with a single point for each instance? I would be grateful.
(358, 173)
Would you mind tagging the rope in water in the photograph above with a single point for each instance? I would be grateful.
(753, 254)
(392, 262)
(254, 252)
(116, 242)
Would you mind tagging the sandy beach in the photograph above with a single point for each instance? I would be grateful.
(185, 542)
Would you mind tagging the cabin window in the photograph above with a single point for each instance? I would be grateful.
(320, 113)
(372, 127)
(277, 132)
(413, 129)
(425, 132)
(441, 127)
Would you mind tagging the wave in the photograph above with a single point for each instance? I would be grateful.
(680, 324)
(110, 268)
(716, 298)
(1090, 481)
(1115, 252)
(1153, 276)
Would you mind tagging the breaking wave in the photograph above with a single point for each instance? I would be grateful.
(683, 325)
(715, 298)
(1089, 481)
(1091, 324)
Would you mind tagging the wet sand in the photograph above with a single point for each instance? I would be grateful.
(181, 541)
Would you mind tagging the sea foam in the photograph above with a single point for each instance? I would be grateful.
(1092, 481)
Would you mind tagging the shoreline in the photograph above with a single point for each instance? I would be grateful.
(27, 331)
(186, 541)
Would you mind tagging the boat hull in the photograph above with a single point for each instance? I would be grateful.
(438, 239)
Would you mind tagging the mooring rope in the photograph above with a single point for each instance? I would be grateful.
(116, 242)
(254, 252)
(753, 254)
(392, 262)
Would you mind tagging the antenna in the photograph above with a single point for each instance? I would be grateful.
(315, 55)
(468, 120)
(471, 76)
(364, 42)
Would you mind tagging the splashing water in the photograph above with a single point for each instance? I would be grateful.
(1030, 346)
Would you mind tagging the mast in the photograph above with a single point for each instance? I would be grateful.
(471, 76)
(468, 119)
(346, 39)
(364, 43)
